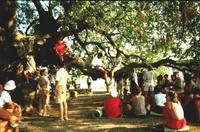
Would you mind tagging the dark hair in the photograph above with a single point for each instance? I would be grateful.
(137, 91)
(42, 72)
(99, 55)
(173, 96)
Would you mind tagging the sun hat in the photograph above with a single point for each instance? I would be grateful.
(10, 85)
(113, 93)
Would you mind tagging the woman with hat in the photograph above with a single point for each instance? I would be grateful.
(9, 111)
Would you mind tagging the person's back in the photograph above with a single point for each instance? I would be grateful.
(112, 107)
(138, 105)
(173, 113)
(160, 99)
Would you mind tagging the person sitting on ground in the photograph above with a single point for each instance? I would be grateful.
(44, 91)
(98, 65)
(192, 106)
(173, 114)
(159, 101)
(112, 107)
(9, 111)
(136, 108)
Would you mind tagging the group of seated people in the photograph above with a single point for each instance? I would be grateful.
(10, 112)
(165, 104)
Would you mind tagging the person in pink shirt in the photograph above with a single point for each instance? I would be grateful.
(112, 106)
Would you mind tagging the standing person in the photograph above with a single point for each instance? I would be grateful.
(173, 112)
(44, 91)
(178, 83)
(98, 65)
(60, 91)
(134, 82)
(148, 85)
(141, 79)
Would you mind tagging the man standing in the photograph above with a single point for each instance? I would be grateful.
(148, 84)
(60, 91)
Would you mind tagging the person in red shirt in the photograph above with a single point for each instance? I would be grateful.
(173, 112)
(62, 49)
(112, 106)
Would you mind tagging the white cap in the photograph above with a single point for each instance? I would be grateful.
(44, 68)
(10, 85)
(113, 93)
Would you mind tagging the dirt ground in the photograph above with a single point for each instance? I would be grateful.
(81, 121)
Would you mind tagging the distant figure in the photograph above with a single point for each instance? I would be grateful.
(60, 91)
(173, 113)
(166, 82)
(141, 79)
(148, 85)
(89, 81)
(178, 83)
(136, 108)
(100, 68)
(134, 82)
(112, 106)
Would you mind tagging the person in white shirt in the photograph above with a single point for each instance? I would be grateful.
(60, 91)
(116, 65)
(159, 100)
(148, 84)
(98, 65)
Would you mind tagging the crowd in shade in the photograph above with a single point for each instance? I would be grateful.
(177, 100)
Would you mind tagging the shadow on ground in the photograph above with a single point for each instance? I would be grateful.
(81, 121)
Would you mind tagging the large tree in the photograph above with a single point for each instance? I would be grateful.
(145, 33)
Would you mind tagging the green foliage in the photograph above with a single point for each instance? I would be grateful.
(150, 30)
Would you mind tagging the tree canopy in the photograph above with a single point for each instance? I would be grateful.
(146, 33)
